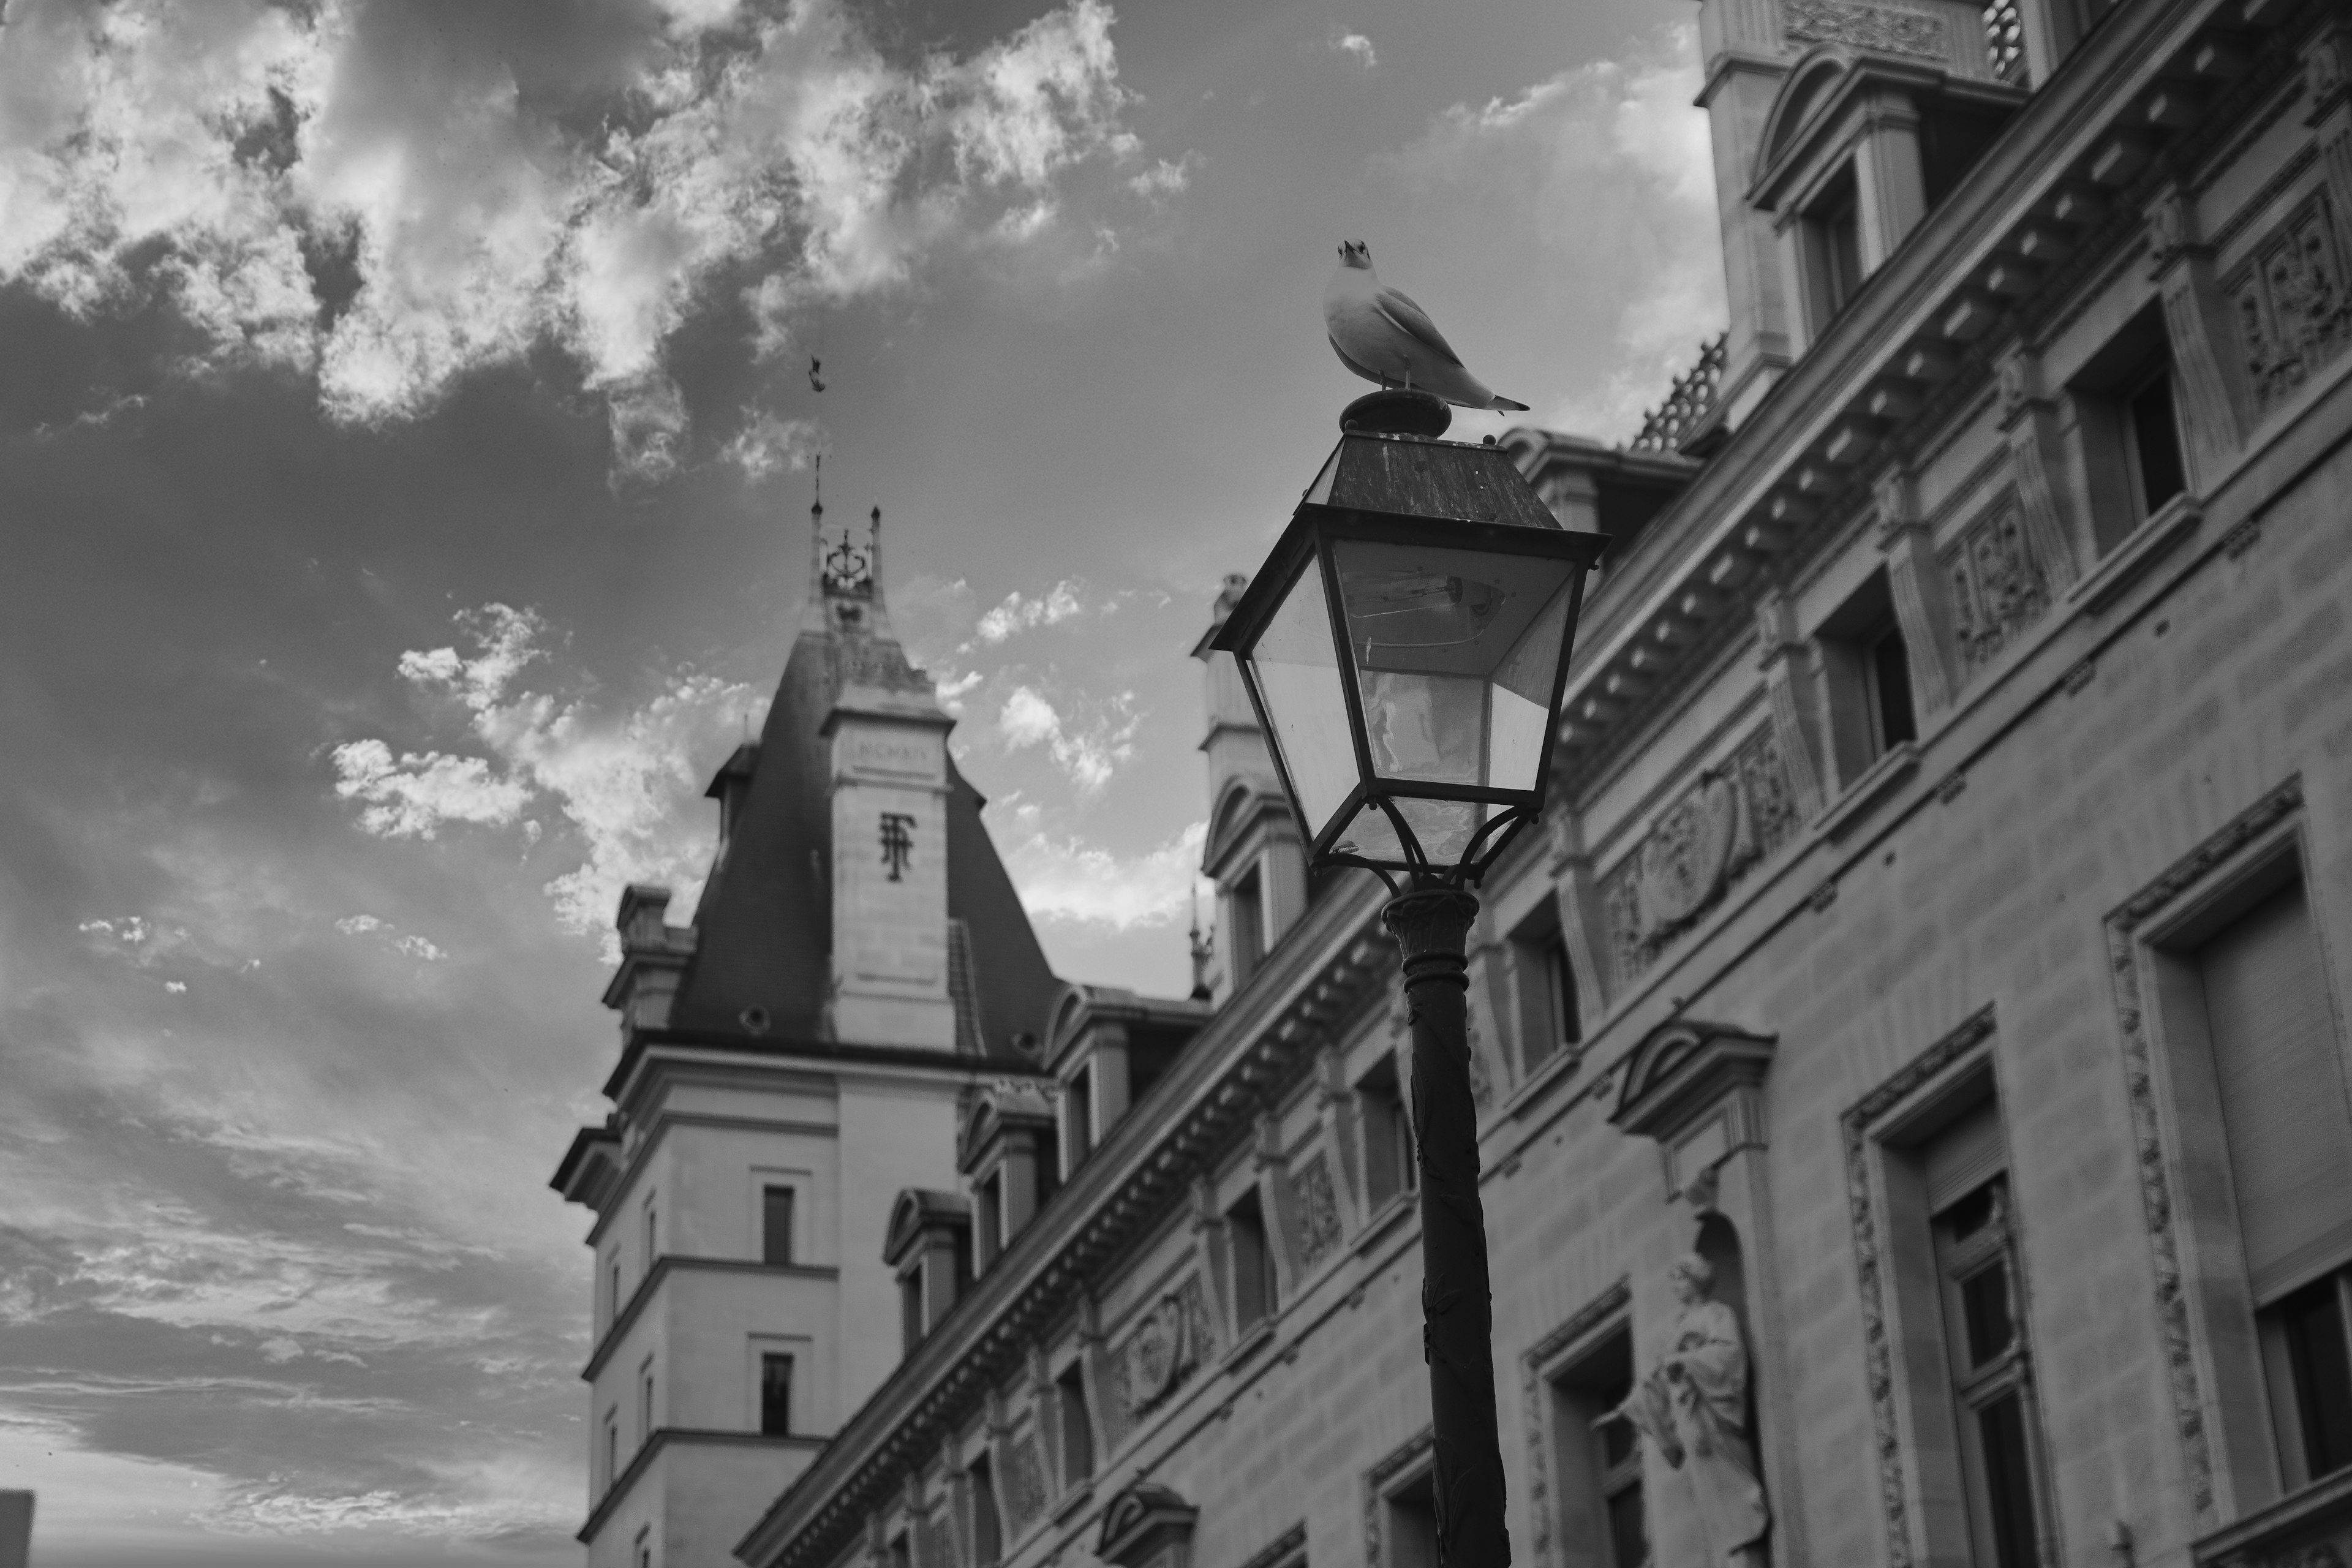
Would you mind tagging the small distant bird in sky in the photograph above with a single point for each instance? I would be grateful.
(815, 364)
(1384, 337)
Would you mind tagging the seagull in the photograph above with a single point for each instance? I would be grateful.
(1386, 338)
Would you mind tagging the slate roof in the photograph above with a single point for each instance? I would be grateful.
(764, 924)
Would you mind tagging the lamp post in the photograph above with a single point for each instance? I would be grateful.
(1405, 648)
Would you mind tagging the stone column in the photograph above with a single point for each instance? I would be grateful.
(1779, 654)
(1333, 1099)
(1922, 598)
(2036, 448)
(1278, 1207)
(2212, 400)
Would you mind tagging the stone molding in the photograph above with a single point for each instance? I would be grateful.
(1858, 1124)
(1533, 1365)
(1697, 1088)
(2148, 1135)
(1148, 1525)
(1384, 1471)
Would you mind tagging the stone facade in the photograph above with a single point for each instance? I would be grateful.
(1974, 675)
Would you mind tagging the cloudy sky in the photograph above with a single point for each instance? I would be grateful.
(404, 431)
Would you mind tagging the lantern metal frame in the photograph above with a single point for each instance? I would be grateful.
(1308, 545)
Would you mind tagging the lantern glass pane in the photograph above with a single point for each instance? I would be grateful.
(1457, 651)
(1442, 827)
(1297, 668)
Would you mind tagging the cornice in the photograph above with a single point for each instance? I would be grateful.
(669, 1262)
(663, 1437)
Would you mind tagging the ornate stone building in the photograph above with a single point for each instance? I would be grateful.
(1922, 1018)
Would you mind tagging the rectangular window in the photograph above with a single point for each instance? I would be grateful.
(1253, 1262)
(988, 1215)
(1545, 981)
(613, 1293)
(775, 1396)
(902, 1552)
(2272, 1032)
(2153, 433)
(1078, 1118)
(646, 1404)
(1866, 688)
(1245, 909)
(644, 1557)
(1831, 238)
(775, 1224)
(910, 1308)
(1602, 1521)
(653, 1239)
(1984, 1340)
(987, 1530)
(1410, 1535)
(1078, 1428)
(1389, 1167)
(612, 1448)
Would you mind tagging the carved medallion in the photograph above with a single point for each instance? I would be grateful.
(1684, 864)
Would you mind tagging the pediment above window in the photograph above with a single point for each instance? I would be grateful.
(1147, 1526)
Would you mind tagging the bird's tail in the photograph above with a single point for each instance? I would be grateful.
(1505, 406)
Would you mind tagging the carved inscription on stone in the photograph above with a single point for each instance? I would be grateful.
(2290, 303)
(1699, 848)
(1889, 30)
(1318, 1211)
(1996, 587)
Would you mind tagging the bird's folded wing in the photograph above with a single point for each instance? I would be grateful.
(1415, 322)
(1352, 365)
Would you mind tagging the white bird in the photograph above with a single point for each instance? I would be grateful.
(1384, 337)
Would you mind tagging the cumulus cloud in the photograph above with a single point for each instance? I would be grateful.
(767, 445)
(1066, 879)
(624, 780)
(1355, 45)
(384, 201)
(407, 943)
(1168, 177)
(1088, 752)
(1614, 165)
(1020, 613)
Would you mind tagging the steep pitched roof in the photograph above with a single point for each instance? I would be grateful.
(764, 925)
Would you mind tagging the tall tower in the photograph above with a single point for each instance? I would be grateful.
(790, 1061)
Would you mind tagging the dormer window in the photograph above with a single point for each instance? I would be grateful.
(929, 1249)
(1245, 918)
(1109, 1047)
(1010, 1152)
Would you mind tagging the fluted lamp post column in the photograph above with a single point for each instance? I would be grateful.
(1405, 647)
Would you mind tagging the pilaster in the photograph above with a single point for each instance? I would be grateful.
(1915, 580)
(1333, 1100)
(2214, 404)
(1791, 684)
(2036, 444)
(1890, 180)
(1278, 1205)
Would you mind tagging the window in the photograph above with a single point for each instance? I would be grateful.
(1602, 1521)
(1548, 1021)
(988, 1214)
(775, 1396)
(1246, 915)
(1253, 1262)
(775, 1224)
(2281, 1094)
(653, 1239)
(613, 1292)
(1409, 1531)
(1078, 1118)
(1865, 680)
(2153, 435)
(644, 1557)
(1389, 1167)
(902, 1551)
(612, 1447)
(910, 1307)
(646, 1403)
(1831, 238)
(987, 1530)
(1077, 1428)
(1984, 1340)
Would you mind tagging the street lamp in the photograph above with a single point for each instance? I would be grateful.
(1405, 648)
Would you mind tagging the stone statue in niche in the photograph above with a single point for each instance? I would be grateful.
(1693, 1407)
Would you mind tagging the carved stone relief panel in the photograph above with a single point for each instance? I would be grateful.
(1998, 587)
(1697, 849)
(1025, 1482)
(1889, 30)
(1170, 1342)
(1319, 1211)
(2289, 300)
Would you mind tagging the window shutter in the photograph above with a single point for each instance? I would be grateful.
(2281, 1086)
